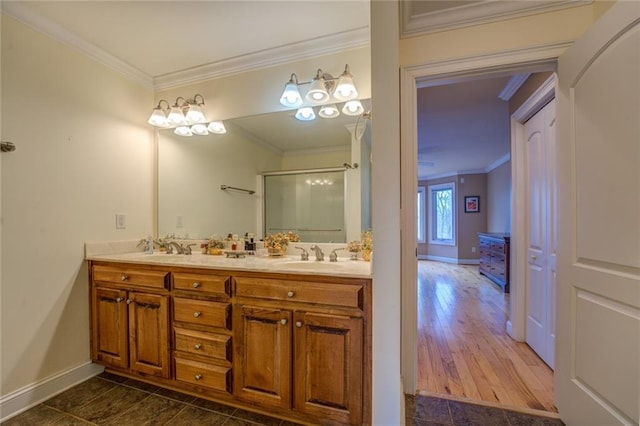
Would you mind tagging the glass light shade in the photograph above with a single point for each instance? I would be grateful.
(195, 114)
(329, 111)
(217, 127)
(199, 129)
(317, 94)
(305, 114)
(176, 117)
(353, 108)
(158, 118)
(291, 95)
(183, 131)
(345, 89)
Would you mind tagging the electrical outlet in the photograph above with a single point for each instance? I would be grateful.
(121, 221)
(473, 249)
(178, 221)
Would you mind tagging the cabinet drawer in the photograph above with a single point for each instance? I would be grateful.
(202, 374)
(217, 346)
(124, 275)
(497, 247)
(346, 295)
(202, 312)
(201, 283)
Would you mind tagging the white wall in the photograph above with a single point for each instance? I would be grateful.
(499, 199)
(84, 153)
(316, 160)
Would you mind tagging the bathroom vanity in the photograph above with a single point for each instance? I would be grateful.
(284, 337)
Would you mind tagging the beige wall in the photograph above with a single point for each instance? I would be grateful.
(315, 161)
(525, 91)
(499, 199)
(467, 224)
(84, 153)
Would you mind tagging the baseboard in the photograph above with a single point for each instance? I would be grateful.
(509, 328)
(454, 260)
(31, 395)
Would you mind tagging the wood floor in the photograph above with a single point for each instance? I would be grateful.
(463, 348)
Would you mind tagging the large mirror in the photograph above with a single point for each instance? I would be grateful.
(192, 171)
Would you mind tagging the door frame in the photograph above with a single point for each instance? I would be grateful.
(538, 58)
(517, 322)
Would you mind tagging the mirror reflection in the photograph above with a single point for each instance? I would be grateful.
(191, 171)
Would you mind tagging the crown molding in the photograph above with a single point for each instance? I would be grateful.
(499, 162)
(513, 85)
(482, 12)
(334, 43)
(20, 12)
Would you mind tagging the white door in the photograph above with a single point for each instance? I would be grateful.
(597, 376)
(540, 140)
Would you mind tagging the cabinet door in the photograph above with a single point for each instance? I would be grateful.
(149, 333)
(328, 366)
(109, 327)
(262, 364)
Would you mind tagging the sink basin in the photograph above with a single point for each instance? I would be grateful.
(312, 265)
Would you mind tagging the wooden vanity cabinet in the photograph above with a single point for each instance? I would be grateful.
(130, 321)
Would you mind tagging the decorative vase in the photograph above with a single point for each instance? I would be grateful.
(215, 251)
(366, 255)
(354, 255)
(274, 252)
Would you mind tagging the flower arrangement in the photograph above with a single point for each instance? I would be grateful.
(279, 242)
(215, 245)
(367, 240)
(354, 246)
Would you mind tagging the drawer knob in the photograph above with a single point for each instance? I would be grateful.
(298, 324)
(119, 299)
(124, 277)
(196, 285)
(197, 314)
(197, 346)
(129, 301)
(290, 294)
(198, 377)
(283, 321)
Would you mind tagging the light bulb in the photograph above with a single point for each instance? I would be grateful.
(291, 95)
(353, 108)
(195, 114)
(217, 127)
(183, 131)
(305, 114)
(158, 118)
(176, 117)
(318, 94)
(329, 111)
(345, 89)
(199, 129)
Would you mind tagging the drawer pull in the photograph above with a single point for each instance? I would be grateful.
(290, 294)
(197, 346)
(198, 377)
(197, 314)
(196, 285)
(298, 324)
(119, 299)
(283, 321)
(124, 277)
(129, 301)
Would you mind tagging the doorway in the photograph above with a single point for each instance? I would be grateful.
(524, 61)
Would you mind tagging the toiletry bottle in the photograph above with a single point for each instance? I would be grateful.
(148, 246)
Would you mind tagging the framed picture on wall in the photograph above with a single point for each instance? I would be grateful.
(472, 204)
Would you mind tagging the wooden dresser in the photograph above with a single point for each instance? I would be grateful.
(494, 258)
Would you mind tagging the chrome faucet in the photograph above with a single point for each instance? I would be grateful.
(333, 257)
(304, 255)
(178, 247)
(319, 253)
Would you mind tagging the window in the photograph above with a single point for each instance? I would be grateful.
(442, 214)
(421, 215)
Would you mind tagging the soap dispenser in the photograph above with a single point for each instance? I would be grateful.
(148, 245)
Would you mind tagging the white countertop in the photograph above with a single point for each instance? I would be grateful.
(344, 267)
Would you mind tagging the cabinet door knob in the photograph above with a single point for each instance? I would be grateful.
(534, 257)
(129, 301)
(290, 294)
(283, 321)
(298, 324)
(119, 299)
(124, 277)
(197, 346)
(196, 285)
(197, 314)
(198, 377)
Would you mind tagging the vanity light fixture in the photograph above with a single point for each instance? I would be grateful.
(329, 111)
(353, 108)
(323, 87)
(305, 114)
(186, 116)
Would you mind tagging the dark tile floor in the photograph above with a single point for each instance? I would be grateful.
(113, 400)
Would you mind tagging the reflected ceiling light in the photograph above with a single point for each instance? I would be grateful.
(291, 95)
(353, 108)
(305, 114)
(217, 127)
(323, 88)
(186, 116)
(183, 131)
(329, 111)
(345, 89)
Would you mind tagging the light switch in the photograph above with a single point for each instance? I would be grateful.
(121, 221)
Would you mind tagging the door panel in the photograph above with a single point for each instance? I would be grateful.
(110, 329)
(149, 333)
(598, 334)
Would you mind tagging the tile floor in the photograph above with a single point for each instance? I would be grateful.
(113, 400)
